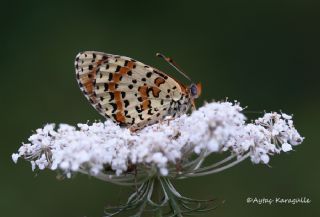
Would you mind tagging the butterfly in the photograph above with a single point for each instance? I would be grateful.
(130, 92)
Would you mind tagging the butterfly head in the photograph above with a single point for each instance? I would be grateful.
(195, 90)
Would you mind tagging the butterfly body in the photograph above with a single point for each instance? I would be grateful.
(129, 92)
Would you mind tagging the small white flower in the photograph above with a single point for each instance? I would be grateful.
(15, 157)
(42, 162)
(265, 158)
(159, 158)
(64, 165)
(213, 145)
(197, 149)
(164, 171)
(285, 116)
(286, 147)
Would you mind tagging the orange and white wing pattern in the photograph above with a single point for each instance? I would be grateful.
(127, 91)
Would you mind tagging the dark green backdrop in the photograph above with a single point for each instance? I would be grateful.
(264, 54)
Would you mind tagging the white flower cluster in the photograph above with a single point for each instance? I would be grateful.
(215, 127)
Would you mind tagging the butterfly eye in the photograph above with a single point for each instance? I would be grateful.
(193, 90)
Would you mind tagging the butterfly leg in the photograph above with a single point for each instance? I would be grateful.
(193, 106)
(133, 129)
(168, 119)
(138, 126)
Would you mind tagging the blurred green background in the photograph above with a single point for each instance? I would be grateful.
(263, 53)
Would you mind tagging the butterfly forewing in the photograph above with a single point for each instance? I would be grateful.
(125, 90)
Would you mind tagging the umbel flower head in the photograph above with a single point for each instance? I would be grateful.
(158, 153)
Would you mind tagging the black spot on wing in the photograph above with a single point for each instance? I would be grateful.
(111, 96)
(161, 74)
(126, 103)
(150, 112)
(123, 94)
(140, 116)
(149, 74)
(110, 76)
(118, 68)
(114, 106)
(106, 86)
(139, 110)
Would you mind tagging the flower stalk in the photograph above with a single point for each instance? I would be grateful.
(158, 196)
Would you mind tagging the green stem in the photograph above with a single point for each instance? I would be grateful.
(157, 190)
(174, 204)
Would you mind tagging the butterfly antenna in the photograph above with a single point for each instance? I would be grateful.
(173, 64)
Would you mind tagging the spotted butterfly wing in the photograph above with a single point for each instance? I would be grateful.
(127, 91)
